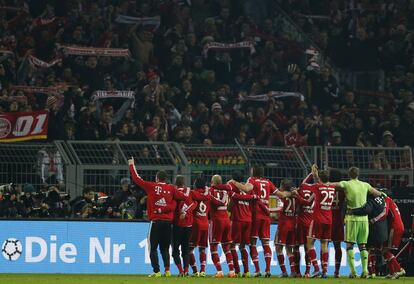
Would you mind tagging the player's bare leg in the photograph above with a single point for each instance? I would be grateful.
(312, 257)
(338, 258)
(255, 257)
(281, 260)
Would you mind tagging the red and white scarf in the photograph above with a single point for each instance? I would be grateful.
(97, 51)
(54, 90)
(145, 21)
(102, 94)
(236, 45)
(43, 64)
(271, 95)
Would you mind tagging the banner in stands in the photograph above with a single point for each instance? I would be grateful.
(23, 126)
(96, 247)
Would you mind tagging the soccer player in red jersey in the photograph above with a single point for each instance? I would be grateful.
(241, 216)
(286, 230)
(160, 206)
(320, 227)
(337, 234)
(305, 216)
(263, 188)
(220, 227)
(183, 222)
(199, 234)
(396, 227)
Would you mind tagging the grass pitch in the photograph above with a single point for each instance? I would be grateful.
(134, 279)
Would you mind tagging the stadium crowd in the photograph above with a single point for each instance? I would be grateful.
(186, 94)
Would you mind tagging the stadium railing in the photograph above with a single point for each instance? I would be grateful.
(102, 164)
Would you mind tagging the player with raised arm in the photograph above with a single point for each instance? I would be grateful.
(320, 226)
(263, 188)
(199, 234)
(286, 230)
(182, 226)
(220, 227)
(160, 206)
(356, 227)
(241, 216)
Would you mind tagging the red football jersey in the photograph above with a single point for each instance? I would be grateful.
(288, 213)
(241, 206)
(324, 197)
(219, 201)
(160, 200)
(396, 222)
(263, 188)
(306, 209)
(185, 208)
(337, 206)
(203, 206)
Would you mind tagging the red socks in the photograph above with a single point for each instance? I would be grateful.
(245, 258)
(180, 268)
(281, 260)
(292, 263)
(229, 257)
(235, 259)
(324, 260)
(313, 260)
(203, 259)
(193, 261)
(215, 257)
(268, 256)
(255, 258)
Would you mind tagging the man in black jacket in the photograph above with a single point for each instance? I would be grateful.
(376, 210)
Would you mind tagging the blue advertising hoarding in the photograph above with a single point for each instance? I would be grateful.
(96, 247)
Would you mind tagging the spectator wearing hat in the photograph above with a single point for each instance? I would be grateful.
(337, 139)
(154, 90)
(388, 139)
(151, 133)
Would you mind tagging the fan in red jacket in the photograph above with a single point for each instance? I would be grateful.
(160, 206)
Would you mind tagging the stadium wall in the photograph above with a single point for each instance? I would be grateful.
(100, 247)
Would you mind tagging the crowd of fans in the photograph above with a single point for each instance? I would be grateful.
(183, 94)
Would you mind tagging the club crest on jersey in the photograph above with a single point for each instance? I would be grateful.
(161, 202)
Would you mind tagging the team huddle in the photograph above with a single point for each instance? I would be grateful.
(198, 218)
